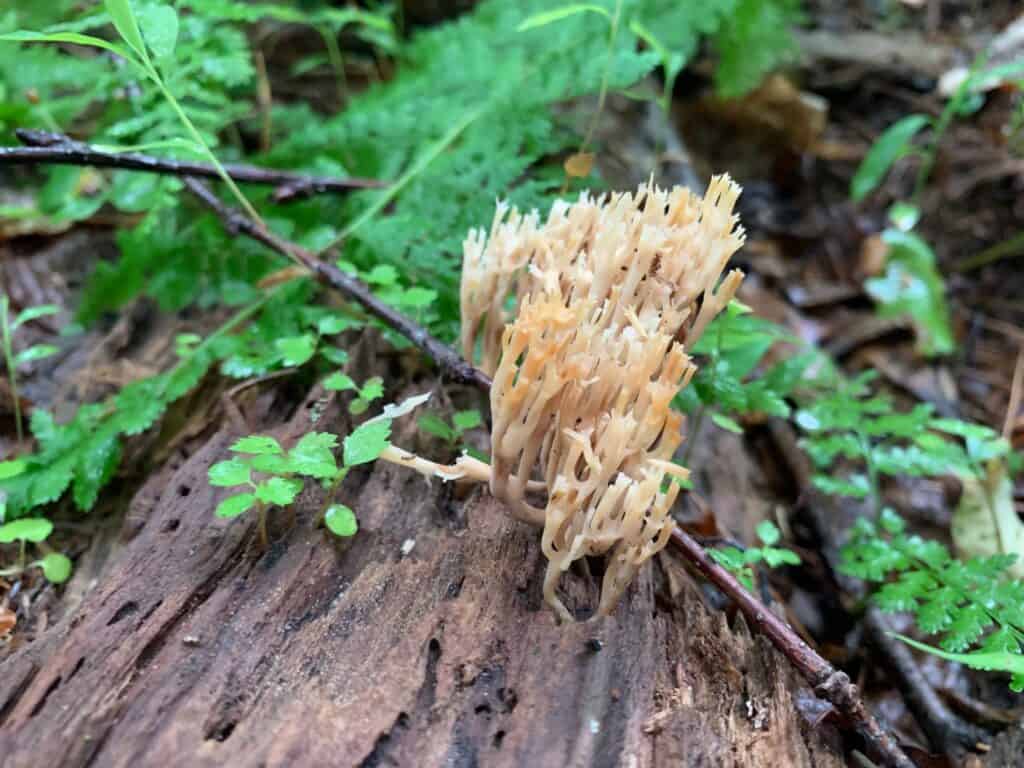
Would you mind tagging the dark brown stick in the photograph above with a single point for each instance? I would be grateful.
(827, 682)
(348, 286)
(57, 149)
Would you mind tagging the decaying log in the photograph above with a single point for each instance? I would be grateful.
(422, 642)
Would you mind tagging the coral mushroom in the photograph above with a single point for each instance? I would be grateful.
(608, 292)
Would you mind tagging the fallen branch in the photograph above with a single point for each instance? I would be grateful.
(57, 149)
(350, 287)
(827, 682)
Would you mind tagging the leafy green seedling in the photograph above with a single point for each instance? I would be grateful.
(273, 477)
(740, 562)
(55, 566)
(726, 385)
(36, 352)
(462, 421)
(371, 390)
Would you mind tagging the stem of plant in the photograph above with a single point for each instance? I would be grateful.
(261, 508)
(337, 62)
(197, 137)
(9, 359)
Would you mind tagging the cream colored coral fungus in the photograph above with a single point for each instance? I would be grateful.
(608, 294)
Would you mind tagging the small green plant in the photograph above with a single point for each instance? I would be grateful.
(55, 566)
(275, 477)
(911, 285)
(725, 386)
(462, 421)
(959, 600)
(35, 352)
(865, 430)
(966, 604)
(741, 562)
(371, 390)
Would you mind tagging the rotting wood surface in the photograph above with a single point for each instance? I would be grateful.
(195, 650)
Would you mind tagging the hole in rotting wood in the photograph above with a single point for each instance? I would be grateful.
(42, 700)
(222, 731)
(171, 525)
(499, 737)
(123, 612)
(184, 490)
(78, 666)
(508, 697)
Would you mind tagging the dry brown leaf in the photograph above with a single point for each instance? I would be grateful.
(580, 164)
(8, 619)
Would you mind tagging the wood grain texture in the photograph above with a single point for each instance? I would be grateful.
(193, 649)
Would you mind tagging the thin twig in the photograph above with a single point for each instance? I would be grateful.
(58, 149)
(348, 286)
(827, 682)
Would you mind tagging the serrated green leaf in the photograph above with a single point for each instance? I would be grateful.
(56, 567)
(334, 324)
(312, 455)
(233, 506)
(339, 382)
(258, 445)
(465, 420)
(432, 424)
(94, 466)
(768, 533)
(969, 622)
(892, 144)
(225, 474)
(383, 275)
(34, 529)
(278, 490)
(774, 557)
(297, 350)
(372, 389)
(340, 520)
(367, 442)
(855, 486)
(139, 404)
(271, 464)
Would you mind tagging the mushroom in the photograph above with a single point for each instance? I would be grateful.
(586, 370)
